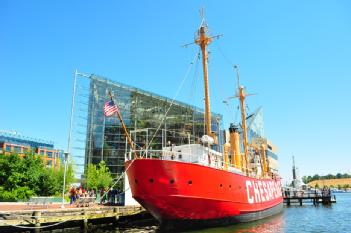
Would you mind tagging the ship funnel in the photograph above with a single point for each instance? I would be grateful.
(235, 146)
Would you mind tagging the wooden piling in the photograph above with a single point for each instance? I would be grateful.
(37, 216)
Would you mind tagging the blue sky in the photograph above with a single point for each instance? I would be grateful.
(294, 54)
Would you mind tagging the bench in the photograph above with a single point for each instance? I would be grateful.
(85, 201)
(39, 201)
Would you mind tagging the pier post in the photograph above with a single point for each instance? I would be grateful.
(37, 215)
(84, 226)
(300, 200)
(116, 213)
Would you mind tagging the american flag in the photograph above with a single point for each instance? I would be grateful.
(110, 108)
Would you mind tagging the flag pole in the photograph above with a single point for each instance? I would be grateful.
(124, 129)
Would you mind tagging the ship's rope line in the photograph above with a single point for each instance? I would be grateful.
(226, 58)
(218, 86)
(193, 91)
(193, 85)
(118, 179)
(175, 96)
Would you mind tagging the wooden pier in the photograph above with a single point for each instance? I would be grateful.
(35, 220)
(301, 197)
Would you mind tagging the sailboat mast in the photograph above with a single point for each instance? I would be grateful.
(203, 40)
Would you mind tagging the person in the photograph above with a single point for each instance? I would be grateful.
(102, 197)
(92, 193)
(109, 195)
(72, 195)
(79, 193)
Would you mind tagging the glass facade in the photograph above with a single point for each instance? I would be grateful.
(147, 116)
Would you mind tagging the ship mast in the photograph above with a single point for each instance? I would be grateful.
(203, 40)
(241, 96)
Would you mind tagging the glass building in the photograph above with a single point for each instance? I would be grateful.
(148, 117)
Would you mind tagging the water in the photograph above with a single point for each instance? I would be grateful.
(307, 218)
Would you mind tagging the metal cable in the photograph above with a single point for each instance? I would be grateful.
(176, 95)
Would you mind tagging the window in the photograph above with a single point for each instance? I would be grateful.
(49, 154)
(49, 163)
(8, 148)
(18, 149)
(42, 152)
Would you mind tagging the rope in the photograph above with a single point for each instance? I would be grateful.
(226, 58)
(40, 227)
(170, 106)
(158, 128)
(118, 179)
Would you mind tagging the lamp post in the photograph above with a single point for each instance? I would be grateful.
(64, 180)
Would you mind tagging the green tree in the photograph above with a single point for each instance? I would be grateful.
(316, 177)
(316, 186)
(91, 176)
(98, 177)
(305, 179)
(21, 178)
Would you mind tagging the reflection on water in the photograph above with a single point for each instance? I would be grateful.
(273, 224)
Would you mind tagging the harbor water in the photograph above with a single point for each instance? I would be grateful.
(295, 219)
(306, 218)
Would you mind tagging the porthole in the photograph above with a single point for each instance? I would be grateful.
(221, 185)
(190, 182)
(230, 186)
(136, 181)
(171, 181)
(151, 180)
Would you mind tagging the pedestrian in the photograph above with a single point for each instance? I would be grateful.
(102, 197)
(72, 195)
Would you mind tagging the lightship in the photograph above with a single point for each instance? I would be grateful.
(194, 184)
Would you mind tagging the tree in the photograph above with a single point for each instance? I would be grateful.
(316, 177)
(21, 178)
(98, 177)
(304, 179)
(316, 186)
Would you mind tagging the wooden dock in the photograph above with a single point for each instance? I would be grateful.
(301, 197)
(35, 220)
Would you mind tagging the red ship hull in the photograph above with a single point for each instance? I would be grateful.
(178, 192)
